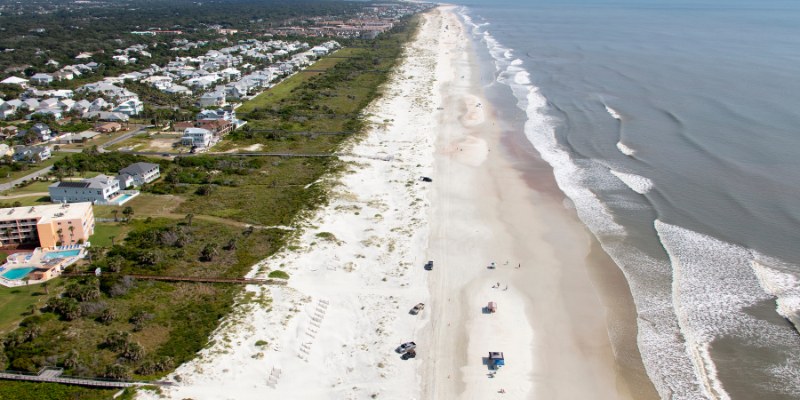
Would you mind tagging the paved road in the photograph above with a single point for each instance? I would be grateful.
(9, 185)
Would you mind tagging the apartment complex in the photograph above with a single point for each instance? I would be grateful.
(47, 225)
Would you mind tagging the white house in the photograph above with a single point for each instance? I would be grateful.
(13, 80)
(141, 172)
(42, 79)
(31, 154)
(130, 107)
(198, 137)
(212, 99)
(99, 189)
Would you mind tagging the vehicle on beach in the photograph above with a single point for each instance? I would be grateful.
(417, 308)
(405, 347)
(496, 360)
(429, 265)
(491, 308)
(426, 179)
(409, 354)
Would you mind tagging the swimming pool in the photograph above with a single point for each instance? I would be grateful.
(61, 254)
(17, 273)
(123, 198)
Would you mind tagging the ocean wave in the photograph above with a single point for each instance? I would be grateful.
(638, 184)
(516, 62)
(613, 113)
(664, 354)
(776, 279)
(714, 290)
(624, 149)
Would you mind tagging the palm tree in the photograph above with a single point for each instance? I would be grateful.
(128, 213)
(115, 212)
(189, 218)
(71, 232)
(209, 251)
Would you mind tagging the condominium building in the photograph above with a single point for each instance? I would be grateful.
(46, 225)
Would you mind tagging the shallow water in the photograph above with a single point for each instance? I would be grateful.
(671, 128)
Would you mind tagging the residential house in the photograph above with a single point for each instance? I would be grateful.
(13, 80)
(179, 90)
(125, 181)
(81, 107)
(54, 112)
(212, 99)
(130, 107)
(142, 172)
(107, 116)
(32, 154)
(64, 75)
(5, 150)
(219, 127)
(108, 127)
(99, 104)
(42, 132)
(9, 108)
(197, 137)
(42, 79)
(97, 190)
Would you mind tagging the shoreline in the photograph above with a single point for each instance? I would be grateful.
(562, 348)
(356, 266)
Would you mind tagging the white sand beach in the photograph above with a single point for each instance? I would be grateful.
(357, 267)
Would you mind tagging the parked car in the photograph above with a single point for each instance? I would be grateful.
(417, 308)
(429, 265)
(405, 347)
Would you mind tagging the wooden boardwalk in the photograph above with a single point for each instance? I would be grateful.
(239, 281)
(53, 375)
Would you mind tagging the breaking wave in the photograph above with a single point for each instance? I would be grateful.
(638, 184)
(625, 149)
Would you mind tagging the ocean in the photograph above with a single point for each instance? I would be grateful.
(673, 129)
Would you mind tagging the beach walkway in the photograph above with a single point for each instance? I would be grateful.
(240, 281)
(53, 375)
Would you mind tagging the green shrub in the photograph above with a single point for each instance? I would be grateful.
(279, 274)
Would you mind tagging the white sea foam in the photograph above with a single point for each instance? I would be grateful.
(714, 286)
(779, 280)
(613, 113)
(638, 184)
(516, 62)
(625, 149)
(522, 78)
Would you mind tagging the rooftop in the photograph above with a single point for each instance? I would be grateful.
(47, 212)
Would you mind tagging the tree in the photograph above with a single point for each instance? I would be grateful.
(117, 371)
(46, 287)
(231, 244)
(189, 218)
(115, 212)
(209, 251)
(128, 213)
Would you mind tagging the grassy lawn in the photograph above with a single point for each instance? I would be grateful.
(14, 304)
(35, 187)
(144, 205)
(104, 231)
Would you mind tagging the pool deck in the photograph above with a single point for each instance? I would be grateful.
(36, 260)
